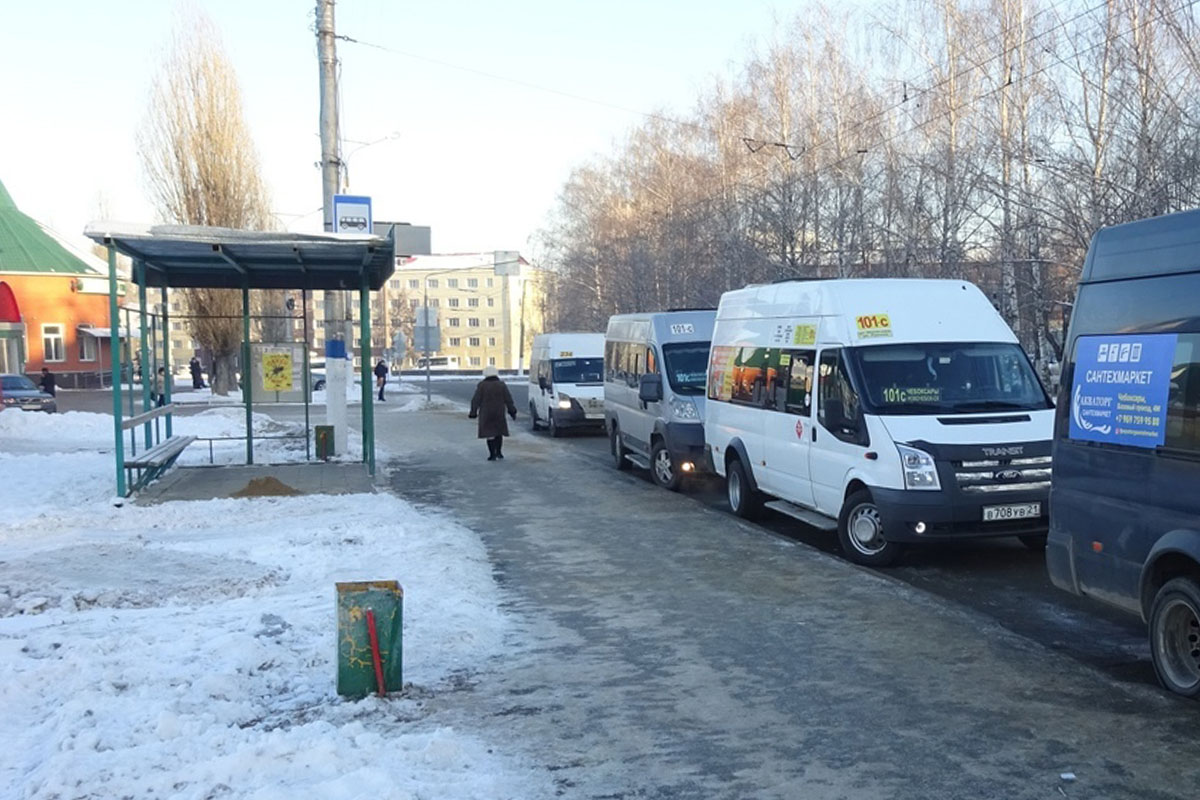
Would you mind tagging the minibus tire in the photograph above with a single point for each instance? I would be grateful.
(860, 508)
(618, 450)
(1175, 636)
(555, 431)
(744, 501)
(533, 421)
(658, 451)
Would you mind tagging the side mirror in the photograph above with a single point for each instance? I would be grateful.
(542, 382)
(650, 388)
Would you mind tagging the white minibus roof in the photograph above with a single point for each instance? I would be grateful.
(871, 311)
(571, 345)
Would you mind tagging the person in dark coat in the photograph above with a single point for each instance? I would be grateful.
(491, 400)
(380, 377)
(46, 384)
(197, 376)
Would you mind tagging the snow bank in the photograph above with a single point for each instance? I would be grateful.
(188, 649)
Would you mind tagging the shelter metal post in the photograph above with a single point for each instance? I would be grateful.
(166, 356)
(307, 379)
(247, 379)
(368, 401)
(114, 321)
(143, 345)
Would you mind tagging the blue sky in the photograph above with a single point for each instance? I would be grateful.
(480, 160)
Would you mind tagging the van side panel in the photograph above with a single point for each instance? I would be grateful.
(1112, 503)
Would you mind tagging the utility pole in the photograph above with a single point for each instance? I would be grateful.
(335, 301)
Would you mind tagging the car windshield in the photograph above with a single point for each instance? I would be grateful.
(17, 383)
(579, 370)
(687, 367)
(948, 378)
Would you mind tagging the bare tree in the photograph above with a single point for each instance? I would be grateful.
(202, 169)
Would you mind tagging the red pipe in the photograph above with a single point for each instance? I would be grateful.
(375, 652)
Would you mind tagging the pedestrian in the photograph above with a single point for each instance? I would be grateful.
(488, 405)
(197, 375)
(47, 382)
(159, 389)
(380, 377)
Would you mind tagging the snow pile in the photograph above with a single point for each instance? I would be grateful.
(188, 649)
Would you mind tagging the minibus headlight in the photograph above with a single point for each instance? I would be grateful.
(683, 408)
(564, 402)
(920, 471)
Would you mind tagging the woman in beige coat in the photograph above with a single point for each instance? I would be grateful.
(491, 400)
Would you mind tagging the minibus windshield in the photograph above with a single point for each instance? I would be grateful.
(948, 378)
(578, 370)
(687, 367)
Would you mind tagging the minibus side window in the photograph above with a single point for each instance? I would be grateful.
(838, 410)
(610, 360)
(794, 389)
(1183, 398)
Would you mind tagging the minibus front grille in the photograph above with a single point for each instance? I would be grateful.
(1002, 475)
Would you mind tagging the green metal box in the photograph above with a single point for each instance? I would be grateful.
(356, 666)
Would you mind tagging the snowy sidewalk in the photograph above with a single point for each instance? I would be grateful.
(188, 649)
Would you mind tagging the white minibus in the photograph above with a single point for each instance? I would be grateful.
(566, 381)
(655, 367)
(891, 411)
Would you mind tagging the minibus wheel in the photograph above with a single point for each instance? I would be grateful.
(744, 500)
(662, 468)
(860, 532)
(1175, 636)
(618, 449)
(533, 422)
(555, 431)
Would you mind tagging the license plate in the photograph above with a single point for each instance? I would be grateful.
(1016, 511)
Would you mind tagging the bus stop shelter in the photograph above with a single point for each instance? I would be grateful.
(189, 256)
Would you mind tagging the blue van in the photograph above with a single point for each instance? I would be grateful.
(1124, 506)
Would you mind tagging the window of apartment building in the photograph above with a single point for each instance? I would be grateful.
(491, 302)
(473, 322)
(452, 322)
(452, 283)
(87, 347)
(414, 283)
(176, 344)
(452, 302)
(491, 361)
(52, 343)
(414, 302)
(490, 283)
(473, 302)
(455, 341)
(176, 326)
(473, 341)
(491, 341)
(491, 322)
(475, 361)
(394, 283)
(318, 323)
(472, 283)
(431, 283)
(433, 302)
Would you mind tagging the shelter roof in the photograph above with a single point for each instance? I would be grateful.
(195, 256)
(28, 246)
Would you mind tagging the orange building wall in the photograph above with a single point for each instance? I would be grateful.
(50, 299)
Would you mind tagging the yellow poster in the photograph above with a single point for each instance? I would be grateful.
(873, 326)
(804, 334)
(277, 372)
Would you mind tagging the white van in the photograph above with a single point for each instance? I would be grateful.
(893, 411)
(655, 367)
(566, 381)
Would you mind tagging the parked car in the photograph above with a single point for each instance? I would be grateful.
(889, 411)
(17, 391)
(1124, 514)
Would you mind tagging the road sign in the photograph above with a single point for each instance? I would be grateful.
(426, 340)
(427, 317)
(351, 214)
(506, 262)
